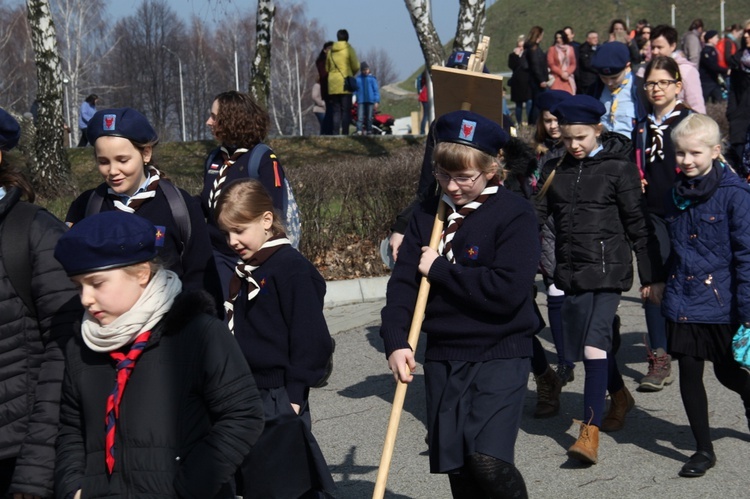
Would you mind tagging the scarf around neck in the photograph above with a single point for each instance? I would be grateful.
(457, 214)
(153, 304)
(229, 160)
(656, 150)
(689, 191)
(132, 203)
(244, 272)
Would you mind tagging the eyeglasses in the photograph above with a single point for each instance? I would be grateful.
(662, 84)
(460, 181)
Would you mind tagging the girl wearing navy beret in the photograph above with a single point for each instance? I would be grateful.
(479, 321)
(157, 399)
(124, 143)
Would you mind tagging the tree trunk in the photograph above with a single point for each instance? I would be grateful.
(260, 72)
(429, 41)
(470, 27)
(50, 173)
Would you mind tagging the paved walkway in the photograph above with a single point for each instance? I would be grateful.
(350, 416)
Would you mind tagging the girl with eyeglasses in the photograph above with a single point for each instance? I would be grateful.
(479, 321)
(655, 157)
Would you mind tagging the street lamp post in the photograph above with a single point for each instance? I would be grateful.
(182, 94)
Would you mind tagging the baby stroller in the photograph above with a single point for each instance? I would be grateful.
(381, 122)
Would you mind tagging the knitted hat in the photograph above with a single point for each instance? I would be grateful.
(471, 129)
(107, 240)
(709, 34)
(124, 122)
(10, 132)
(364, 66)
(579, 109)
(611, 58)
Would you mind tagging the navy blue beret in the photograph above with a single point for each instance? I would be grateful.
(611, 58)
(579, 109)
(10, 132)
(123, 122)
(550, 98)
(471, 129)
(461, 58)
(107, 240)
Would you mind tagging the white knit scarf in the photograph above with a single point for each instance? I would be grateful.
(154, 303)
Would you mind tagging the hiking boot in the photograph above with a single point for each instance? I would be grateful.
(565, 373)
(548, 387)
(621, 403)
(659, 371)
(586, 448)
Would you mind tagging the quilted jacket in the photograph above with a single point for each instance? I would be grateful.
(31, 354)
(709, 269)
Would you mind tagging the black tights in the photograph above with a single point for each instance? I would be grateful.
(487, 477)
(693, 393)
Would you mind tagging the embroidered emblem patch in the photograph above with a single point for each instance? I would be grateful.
(262, 285)
(213, 169)
(161, 231)
(471, 252)
(460, 57)
(467, 130)
(109, 122)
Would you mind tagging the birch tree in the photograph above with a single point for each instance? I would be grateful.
(260, 71)
(470, 27)
(50, 171)
(429, 41)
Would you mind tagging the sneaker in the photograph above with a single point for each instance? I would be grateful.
(659, 371)
(565, 372)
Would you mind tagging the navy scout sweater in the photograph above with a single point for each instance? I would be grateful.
(480, 308)
(282, 331)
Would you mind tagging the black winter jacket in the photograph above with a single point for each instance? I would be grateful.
(189, 415)
(599, 212)
(31, 354)
(738, 105)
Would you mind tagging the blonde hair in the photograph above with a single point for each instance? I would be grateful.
(244, 201)
(698, 127)
(453, 157)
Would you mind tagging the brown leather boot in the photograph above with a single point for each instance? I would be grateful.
(586, 448)
(548, 387)
(621, 402)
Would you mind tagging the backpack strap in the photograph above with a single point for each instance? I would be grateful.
(179, 210)
(256, 154)
(94, 204)
(14, 239)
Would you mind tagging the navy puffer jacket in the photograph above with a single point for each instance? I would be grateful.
(709, 269)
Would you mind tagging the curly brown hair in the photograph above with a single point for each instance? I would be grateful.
(240, 122)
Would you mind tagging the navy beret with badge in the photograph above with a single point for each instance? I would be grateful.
(124, 122)
(107, 240)
(550, 98)
(611, 58)
(579, 109)
(10, 131)
(471, 129)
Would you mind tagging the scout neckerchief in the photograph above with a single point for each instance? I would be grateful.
(229, 160)
(124, 367)
(132, 203)
(456, 217)
(244, 271)
(615, 97)
(657, 132)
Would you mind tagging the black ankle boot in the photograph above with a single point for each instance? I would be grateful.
(698, 464)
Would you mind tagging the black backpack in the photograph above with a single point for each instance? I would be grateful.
(16, 249)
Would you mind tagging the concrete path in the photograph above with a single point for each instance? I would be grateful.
(351, 413)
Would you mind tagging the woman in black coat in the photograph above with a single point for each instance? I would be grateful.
(738, 107)
(536, 60)
(520, 93)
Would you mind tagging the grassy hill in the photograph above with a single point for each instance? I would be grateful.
(509, 18)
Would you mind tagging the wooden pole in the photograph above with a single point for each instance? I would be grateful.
(400, 396)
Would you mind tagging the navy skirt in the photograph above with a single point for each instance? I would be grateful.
(587, 321)
(473, 407)
(286, 461)
(705, 341)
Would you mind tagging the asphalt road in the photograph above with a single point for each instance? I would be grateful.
(350, 416)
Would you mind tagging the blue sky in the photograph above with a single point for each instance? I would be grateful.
(371, 23)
